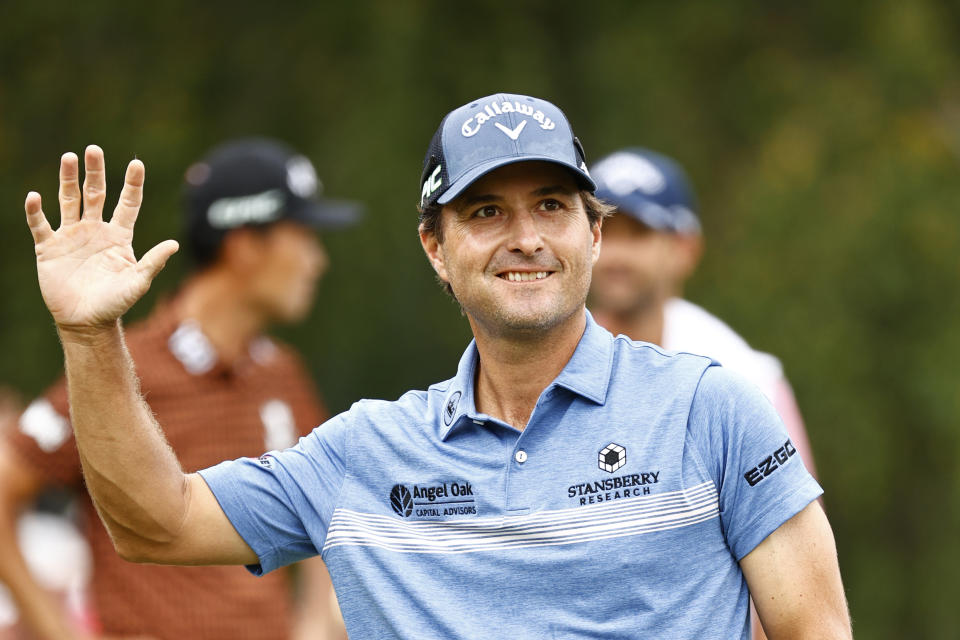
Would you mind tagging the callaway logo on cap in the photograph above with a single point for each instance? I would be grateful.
(494, 131)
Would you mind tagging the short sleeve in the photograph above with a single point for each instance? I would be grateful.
(42, 437)
(281, 502)
(760, 477)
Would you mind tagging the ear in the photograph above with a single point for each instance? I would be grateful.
(689, 251)
(597, 237)
(432, 247)
(240, 249)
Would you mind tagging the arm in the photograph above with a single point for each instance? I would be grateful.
(786, 405)
(794, 579)
(19, 483)
(89, 277)
(317, 613)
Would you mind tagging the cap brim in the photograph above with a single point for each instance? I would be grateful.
(654, 215)
(327, 214)
(463, 182)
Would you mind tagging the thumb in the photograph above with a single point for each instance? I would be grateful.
(154, 260)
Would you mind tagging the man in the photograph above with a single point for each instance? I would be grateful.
(562, 484)
(651, 247)
(222, 390)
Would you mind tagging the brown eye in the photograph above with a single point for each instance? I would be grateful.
(485, 212)
(551, 205)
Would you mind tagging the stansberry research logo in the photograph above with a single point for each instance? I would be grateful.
(401, 500)
(612, 457)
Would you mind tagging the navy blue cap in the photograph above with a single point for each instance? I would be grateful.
(649, 187)
(494, 131)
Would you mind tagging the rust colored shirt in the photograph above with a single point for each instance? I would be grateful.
(209, 413)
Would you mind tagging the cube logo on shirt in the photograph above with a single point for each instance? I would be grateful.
(629, 485)
(453, 498)
(612, 457)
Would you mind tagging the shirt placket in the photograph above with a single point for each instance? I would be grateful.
(521, 463)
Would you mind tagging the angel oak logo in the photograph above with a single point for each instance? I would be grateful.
(401, 500)
(446, 499)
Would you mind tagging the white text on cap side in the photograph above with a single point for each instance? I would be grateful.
(259, 208)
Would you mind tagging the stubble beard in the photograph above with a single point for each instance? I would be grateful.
(520, 319)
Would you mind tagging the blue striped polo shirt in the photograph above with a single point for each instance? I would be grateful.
(620, 511)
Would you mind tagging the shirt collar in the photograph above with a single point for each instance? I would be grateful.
(588, 371)
(191, 346)
(587, 374)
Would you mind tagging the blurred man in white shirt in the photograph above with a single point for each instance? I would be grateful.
(651, 246)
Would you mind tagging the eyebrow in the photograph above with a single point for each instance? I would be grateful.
(465, 203)
(547, 191)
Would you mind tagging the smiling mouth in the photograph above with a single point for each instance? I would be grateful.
(524, 276)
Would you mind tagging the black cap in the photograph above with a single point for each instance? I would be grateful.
(255, 182)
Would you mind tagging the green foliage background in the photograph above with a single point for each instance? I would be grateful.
(823, 137)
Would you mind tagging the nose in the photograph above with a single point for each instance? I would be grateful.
(525, 235)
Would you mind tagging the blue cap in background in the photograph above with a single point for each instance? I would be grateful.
(494, 131)
(649, 187)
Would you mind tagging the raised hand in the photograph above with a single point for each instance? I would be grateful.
(88, 273)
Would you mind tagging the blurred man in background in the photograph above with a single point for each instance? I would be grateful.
(651, 246)
(222, 389)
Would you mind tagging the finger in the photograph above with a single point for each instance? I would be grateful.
(94, 183)
(154, 260)
(131, 196)
(39, 227)
(69, 188)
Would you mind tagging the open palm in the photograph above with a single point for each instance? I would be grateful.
(88, 273)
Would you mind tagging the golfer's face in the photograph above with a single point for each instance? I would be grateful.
(518, 248)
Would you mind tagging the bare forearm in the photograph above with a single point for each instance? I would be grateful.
(317, 613)
(41, 613)
(89, 277)
(130, 470)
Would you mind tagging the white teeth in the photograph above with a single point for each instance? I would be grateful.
(525, 276)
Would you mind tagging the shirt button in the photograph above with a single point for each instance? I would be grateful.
(520, 456)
